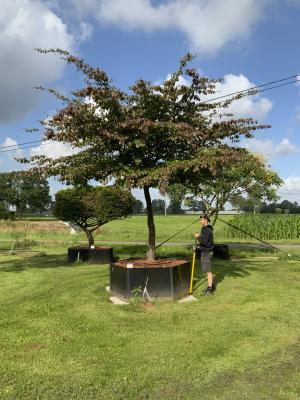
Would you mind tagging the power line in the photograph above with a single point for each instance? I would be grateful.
(20, 144)
(181, 230)
(257, 87)
(21, 148)
(255, 237)
(274, 87)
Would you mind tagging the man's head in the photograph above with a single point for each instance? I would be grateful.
(204, 220)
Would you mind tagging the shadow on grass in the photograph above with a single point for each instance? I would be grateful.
(38, 261)
(30, 260)
(226, 268)
(123, 251)
(271, 376)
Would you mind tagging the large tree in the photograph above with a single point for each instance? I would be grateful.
(138, 207)
(142, 138)
(248, 175)
(158, 206)
(23, 191)
(4, 191)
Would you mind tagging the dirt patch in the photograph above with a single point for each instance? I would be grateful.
(29, 227)
(88, 248)
(148, 306)
(35, 346)
(144, 263)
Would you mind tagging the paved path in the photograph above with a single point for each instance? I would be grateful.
(232, 245)
(188, 244)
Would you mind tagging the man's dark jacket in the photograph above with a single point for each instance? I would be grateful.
(206, 239)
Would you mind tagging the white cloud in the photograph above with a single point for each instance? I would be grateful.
(134, 14)
(25, 25)
(290, 190)
(207, 25)
(268, 149)
(53, 150)
(78, 8)
(85, 32)
(9, 150)
(285, 147)
(12, 148)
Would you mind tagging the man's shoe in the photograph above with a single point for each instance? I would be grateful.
(208, 291)
(213, 288)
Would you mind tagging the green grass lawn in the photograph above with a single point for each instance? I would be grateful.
(61, 338)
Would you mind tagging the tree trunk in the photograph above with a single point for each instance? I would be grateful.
(215, 218)
(151, 226)
(90, 237)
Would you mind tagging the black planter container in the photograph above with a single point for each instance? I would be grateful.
(220, 251)
(98, 255)
(169, 280)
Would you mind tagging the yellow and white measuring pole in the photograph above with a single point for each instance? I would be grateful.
(193, 270)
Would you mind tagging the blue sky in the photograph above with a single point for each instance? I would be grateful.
(246, 42)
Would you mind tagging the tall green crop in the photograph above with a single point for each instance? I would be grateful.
(265, 226)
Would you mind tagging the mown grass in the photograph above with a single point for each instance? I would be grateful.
(61, 338)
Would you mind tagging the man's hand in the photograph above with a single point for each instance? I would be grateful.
(197, 235)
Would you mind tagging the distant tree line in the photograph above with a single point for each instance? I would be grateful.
(254, 204)
(285, 207)
(159, 207)
(23, 193)
(250, 204)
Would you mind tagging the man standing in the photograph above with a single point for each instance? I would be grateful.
(206, 246)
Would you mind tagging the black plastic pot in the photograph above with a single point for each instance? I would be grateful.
(220, 251)
(166, 280)
(98, 255)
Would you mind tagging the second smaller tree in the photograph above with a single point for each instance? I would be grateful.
(91, 207)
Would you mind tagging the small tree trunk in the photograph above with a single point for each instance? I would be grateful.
(90, 237)
(215, 218)
(151, 226)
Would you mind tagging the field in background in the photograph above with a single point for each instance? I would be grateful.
(265, 226)
(61, 338)
(48, 233)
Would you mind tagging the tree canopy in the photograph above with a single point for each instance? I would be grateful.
(22, 191)
(248, 175)
(146, 137)
(91, 207)
(138, 207)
